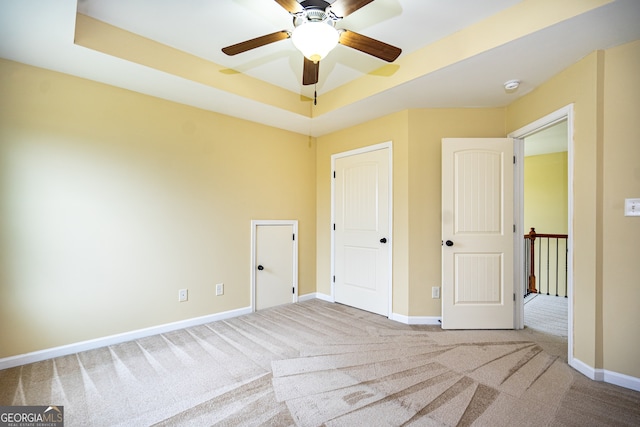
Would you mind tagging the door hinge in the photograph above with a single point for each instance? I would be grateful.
(294, 235)
(514, 296)
(514, 228)
(334, 226)
(334, 174)
(293, 289)
(334, 279)
(514, 160)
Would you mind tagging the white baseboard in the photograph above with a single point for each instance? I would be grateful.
(407, 320)
(50, 353)
(415, 320)
(604, 375)
(315, 295)
(622, 380)
(584, 369)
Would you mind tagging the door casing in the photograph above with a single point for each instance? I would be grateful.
(564, 113)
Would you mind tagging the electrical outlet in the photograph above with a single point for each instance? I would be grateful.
(435, 292)
(182, 295)
(219, 289)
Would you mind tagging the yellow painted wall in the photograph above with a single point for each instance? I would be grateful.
(392, 128)
(111, 201)
(579, 84)
(416, 137)
(621, 235)
(546, 193)
(427, 127)
(603, 88)
(546, 209)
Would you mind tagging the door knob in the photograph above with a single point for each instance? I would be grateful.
(383, 240)
(260, 267)
(448, 243)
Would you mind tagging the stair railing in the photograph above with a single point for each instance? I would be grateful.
(551, 251)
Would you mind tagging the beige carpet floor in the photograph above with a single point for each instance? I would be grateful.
(316, 363)
(547, 313)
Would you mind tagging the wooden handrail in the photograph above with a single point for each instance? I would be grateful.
(553, 236)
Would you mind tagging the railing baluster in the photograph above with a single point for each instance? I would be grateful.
(548, 266)
(566, 268)
(557, 240)
(530, 261)
(540, 263)
(525, 277)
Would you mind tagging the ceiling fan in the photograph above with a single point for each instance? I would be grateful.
(315, 34)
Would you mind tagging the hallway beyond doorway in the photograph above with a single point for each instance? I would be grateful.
(546, 313)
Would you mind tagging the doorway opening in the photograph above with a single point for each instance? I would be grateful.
(563, 118)
(546, 224)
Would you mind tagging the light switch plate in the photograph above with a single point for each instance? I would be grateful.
(631, 207)
(435, 292)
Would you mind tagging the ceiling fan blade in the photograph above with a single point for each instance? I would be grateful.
(291, 6)
(310, 72)
(368, 45)
(343, 8)
(254, 43)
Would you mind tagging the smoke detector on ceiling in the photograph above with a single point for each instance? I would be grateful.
(511, 85)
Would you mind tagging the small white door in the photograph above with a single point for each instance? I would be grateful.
(362, 231)
(477, 233)
(274, 265)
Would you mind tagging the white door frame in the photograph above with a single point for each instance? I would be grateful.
(254, 228)
(564, 113)
(354, 152)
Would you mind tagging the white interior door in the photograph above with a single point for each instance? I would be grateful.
(477, 233)
(362, 231)
(274, 265)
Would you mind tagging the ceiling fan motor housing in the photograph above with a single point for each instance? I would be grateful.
(314, 11)
(316, 4)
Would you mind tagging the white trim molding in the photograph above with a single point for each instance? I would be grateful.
(604, 375)
(416, 320)
(316, 295)
(585, 369)
(564, 113)
(65, 350)
(622, 380)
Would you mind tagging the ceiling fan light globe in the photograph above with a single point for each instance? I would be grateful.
(315, 39)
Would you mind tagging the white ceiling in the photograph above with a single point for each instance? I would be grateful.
(41, 33)
(552, 139)
(202, 28)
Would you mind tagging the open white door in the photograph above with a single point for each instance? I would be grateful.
(477, 233)
(362, 231)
